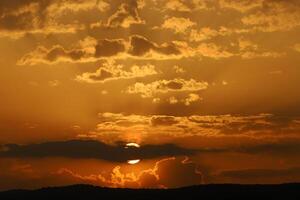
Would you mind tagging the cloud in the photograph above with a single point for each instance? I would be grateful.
(253, 54)
(259, 175)
(252, 126)
(241, 5)
(203, 34)
(178, 24)
(178, 69)
(165, 86)
(211, 50)
(276, 148)
(108, 48)
(187, 101)
(172, 174)
(173, 100)
(32, 16)
(163, 120)
(209, 33)
(183, 5)
(191, 99)
(247, 48)
(126, 15)
(275, 16)
(86, 50)
(89, 149)
(177, 5)
(20, 173)
(167, 173)
(21, 15)
(90, 50)
(110, 71)
(250, 50)
(141, 46)
(83, 51)
(57, 8)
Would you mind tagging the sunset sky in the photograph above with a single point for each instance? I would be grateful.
(206, 91)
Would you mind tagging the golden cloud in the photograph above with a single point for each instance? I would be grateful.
(183, 5)
(164, 86)
(259, 126)
(178, 24)
(277, 16)
(110, 71)
(159, 176)
(241, 5)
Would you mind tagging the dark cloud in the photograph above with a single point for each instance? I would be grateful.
(93, 149)
(126, 14)
(19, 17)
(141, 46)
(107, 48)
(58, 51)
(260, 173)
(174, 85)
(282, 149)
(254, 176)
(102, 75)
(22, 14)
(90, 50)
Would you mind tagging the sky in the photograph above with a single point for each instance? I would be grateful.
(191, 91)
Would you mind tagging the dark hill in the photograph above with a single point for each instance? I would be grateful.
(226, 191)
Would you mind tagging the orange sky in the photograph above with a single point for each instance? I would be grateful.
(207, 88)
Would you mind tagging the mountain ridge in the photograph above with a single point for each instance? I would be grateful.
(212, 191)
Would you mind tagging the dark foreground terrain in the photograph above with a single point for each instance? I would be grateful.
(241, 192)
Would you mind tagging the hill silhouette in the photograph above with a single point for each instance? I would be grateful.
(224, 192)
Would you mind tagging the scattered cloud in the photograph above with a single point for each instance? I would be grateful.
(241, 5)
(165, 86)
(262, 125)
(211, 50)
(178, 24)
(276, 16)
(111, 71)
(191, 99)
(183, 5)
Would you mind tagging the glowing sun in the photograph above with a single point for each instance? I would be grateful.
(133, 162)
(132, 145)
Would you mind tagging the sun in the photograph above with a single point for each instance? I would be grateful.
(132, 145)
(133, 162)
